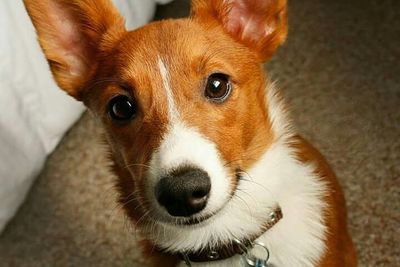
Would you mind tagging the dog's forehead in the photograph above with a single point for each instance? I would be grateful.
(176, 41)
(183, 44)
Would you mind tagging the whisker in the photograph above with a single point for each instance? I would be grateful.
(138, 165)
(251, 180)
(248, 207)
(142, 217)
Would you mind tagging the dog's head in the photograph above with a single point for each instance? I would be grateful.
(182, 101)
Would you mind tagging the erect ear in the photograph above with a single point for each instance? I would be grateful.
(261, 25)
(72, 34)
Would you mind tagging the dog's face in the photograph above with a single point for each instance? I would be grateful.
(182, 101)
(192, 113)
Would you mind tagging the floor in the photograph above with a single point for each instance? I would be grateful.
(340, 72)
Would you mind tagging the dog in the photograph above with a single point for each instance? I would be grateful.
(210, 169)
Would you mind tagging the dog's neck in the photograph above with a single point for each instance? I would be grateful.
(232, 247)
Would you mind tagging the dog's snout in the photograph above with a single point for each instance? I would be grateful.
(184, 192)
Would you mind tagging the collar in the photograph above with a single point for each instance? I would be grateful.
(231, 248)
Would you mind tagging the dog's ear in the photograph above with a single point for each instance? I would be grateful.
(261, 25)
(72, 34)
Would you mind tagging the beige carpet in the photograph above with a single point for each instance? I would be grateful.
(339, 70)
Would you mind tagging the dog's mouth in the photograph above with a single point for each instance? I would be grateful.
(194, 220)
(190, 221)
(202, 218)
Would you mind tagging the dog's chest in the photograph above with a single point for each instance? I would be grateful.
(298, 238)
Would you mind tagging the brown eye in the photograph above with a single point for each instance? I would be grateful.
(121, 108)
(218, 87)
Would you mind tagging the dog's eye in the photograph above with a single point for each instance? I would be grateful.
(218, 87)
(121, 108)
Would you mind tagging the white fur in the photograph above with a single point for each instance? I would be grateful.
(172, 110)
(183, 145)
(277, 178)
(186, 146)
(277, 113)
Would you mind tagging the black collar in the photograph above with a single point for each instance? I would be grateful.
(229, 249)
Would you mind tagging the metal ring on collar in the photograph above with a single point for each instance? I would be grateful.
(241, 245)
(255, 261)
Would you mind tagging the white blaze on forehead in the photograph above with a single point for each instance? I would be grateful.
(172, 110)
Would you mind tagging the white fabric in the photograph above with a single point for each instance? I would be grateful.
(34, 113)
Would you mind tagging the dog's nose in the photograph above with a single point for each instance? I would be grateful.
(184, 192)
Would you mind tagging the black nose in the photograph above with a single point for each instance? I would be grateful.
(184, 192)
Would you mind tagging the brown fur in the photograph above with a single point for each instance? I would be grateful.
(340, 249)
(231, 13)
(72, 49)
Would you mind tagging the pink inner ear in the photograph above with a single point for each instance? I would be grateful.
(249, 19)
(68, 41)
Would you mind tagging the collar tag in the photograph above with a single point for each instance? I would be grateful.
(256, 256)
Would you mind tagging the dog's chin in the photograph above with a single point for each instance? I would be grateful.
(184, 221)
(191, 221)
(187, 221)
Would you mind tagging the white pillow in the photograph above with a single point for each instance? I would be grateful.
(34, 113)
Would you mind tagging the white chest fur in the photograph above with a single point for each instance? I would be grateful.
(297, 239)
